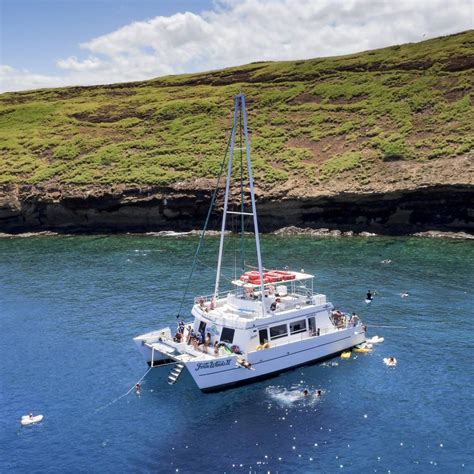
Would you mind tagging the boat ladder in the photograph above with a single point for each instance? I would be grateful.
(175, 373)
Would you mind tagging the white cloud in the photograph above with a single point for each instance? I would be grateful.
(12, 79)
(239, 32)
(73, 64)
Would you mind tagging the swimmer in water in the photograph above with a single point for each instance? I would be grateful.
(405, 295)
(137, 388)
(369, 295)
(305, 392)
(318, 393)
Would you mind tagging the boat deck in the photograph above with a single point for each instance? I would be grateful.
(184, 352)
(241, 310)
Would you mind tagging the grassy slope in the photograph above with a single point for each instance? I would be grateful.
(311, 122)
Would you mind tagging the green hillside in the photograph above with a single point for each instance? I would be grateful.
(311, 121)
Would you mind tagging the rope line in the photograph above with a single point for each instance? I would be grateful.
(115, 400)
(387, 327)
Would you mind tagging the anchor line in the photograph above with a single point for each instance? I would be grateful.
(124, 395)
(387, 327)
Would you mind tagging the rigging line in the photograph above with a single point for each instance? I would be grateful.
(253, 267)
(386, 327)
(212, 268)
(201, 238)
(242, 217)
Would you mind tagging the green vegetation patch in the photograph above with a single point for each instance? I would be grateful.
(339, 163)
(310, 120)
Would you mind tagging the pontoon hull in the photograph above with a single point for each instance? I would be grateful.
(225, 373)
(154, 357)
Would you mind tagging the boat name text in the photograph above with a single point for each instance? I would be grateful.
(212, 364)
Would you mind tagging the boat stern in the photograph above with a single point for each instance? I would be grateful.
(154, 349)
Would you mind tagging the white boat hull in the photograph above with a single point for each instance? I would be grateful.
(222, 373)
(153, 357)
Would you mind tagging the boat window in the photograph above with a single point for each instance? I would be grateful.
(263, 335)
(202, 326)
(227, 335)
(312, 325)
(278, 331)
(297, 326)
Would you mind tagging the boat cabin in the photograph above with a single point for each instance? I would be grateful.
(288, 311)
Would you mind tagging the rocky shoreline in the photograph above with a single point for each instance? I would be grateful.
(184, 206)
(286, 231)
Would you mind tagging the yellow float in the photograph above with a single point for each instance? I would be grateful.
(346, 355)
(364, 350)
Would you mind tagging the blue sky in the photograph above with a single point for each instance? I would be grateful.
(35, 33)
(52, 43)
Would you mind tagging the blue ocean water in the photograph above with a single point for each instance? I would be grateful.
(70, 306)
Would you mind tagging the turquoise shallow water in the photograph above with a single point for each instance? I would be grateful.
(70, 307)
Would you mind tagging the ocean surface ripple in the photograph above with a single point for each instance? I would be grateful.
(70, 306)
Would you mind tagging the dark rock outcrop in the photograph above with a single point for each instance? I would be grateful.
(135, 209)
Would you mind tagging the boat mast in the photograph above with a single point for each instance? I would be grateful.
(239, 104)
(226, 198)
(254, 207)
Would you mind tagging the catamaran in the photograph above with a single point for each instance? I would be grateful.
(267, 322)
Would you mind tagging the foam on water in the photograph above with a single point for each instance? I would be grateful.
(292, 397)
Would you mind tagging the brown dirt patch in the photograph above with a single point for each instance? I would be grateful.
(352, 100)
(307, 98)
(109, 114)
(461, 63)
(454, 96)
(322, 149)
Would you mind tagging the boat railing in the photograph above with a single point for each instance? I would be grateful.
(208, 298)
(302, 290)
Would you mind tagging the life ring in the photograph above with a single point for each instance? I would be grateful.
(257, 282)
(250, 275)
(274, 277)
(285, 275)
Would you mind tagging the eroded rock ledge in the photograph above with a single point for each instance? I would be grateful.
(95, 209)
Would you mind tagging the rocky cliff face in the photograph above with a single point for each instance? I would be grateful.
(146, 209)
